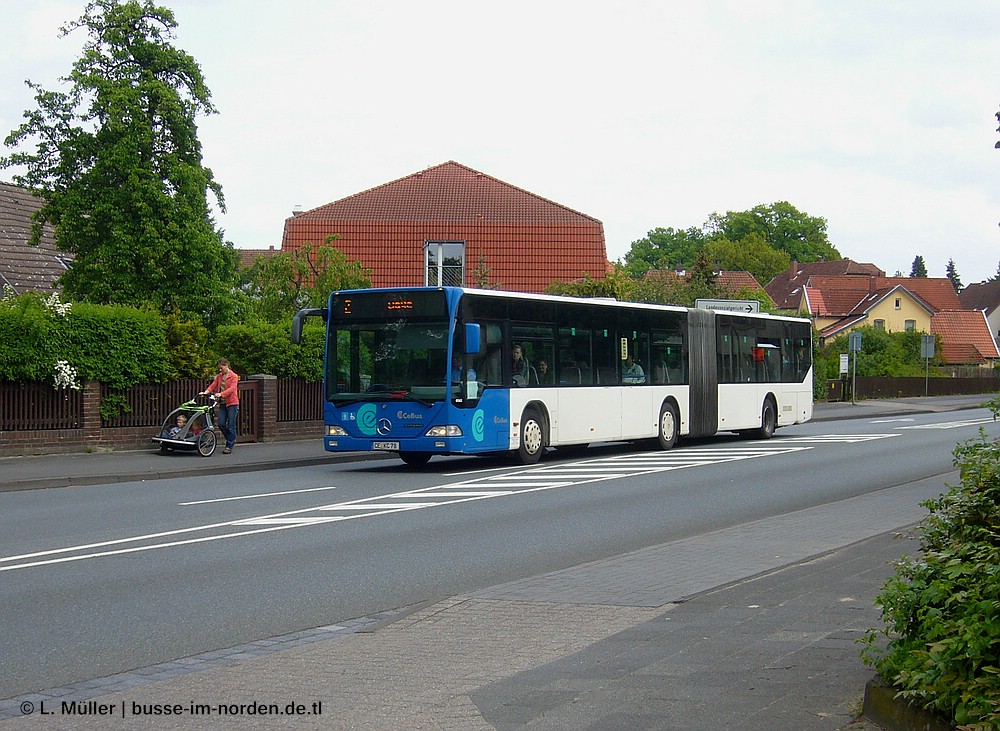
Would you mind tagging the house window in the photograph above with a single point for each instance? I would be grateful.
(899, 303)
(444, 263)
(910, 325)
(880, 324)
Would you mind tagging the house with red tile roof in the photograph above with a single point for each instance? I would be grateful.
(23, 266)
(785, 289)
(449, 224)
(841, 303)
(966, 337)
(984, 297)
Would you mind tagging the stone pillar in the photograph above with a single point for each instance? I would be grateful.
(267, 403)
(91, 417)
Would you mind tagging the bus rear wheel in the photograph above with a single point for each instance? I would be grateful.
(768, 420)
(667, 432)
(532, 443)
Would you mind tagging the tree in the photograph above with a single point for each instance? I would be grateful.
(664, 248)
(919, 268)
(783, 227)
(118, 163)
(952, 275)
(277, 286)
(752, 254)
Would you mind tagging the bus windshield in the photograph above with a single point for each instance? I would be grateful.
(388, 360)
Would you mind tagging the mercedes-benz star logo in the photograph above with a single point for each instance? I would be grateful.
(383, 427)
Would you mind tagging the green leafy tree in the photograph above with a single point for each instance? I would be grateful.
(664, 249)
(752, 254)
(276, 286)
(919, 268)
(952, 275)
(118, 163)
(782, 226)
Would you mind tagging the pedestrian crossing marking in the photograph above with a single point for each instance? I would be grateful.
(952, 424)
(481, 487)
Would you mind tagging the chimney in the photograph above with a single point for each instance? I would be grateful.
(297, 209)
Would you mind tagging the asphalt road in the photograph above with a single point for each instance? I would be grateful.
(103, 578)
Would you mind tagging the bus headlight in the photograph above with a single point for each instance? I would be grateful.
(449, 430)
(335, 431)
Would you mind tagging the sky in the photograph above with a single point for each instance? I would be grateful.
(876, 115)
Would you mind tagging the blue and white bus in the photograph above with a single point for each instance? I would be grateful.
(444, 370)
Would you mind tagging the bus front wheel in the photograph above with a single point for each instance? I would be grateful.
(415, 458)
(532, 438)
(667, 432)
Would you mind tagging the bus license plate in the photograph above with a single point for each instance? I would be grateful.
(388, 446)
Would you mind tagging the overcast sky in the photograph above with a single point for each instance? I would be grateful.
(875, 115)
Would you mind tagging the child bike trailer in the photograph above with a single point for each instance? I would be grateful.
(189, 427)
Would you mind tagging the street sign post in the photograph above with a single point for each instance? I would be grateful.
(744, 306)
(854, 345)
(927, 343)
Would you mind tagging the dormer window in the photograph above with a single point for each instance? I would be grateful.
(444, 263)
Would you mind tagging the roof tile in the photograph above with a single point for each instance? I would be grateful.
(23, 266)
(526, 241)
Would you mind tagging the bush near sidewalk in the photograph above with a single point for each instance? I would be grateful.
(940, 647)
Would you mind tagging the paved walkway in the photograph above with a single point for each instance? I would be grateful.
(753, 627)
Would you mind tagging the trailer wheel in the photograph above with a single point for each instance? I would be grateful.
(206, 443)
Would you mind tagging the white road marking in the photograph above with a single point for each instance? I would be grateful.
(253, 497)
(951, 424)
(483, 487)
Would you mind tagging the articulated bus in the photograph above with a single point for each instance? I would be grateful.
(443, 370)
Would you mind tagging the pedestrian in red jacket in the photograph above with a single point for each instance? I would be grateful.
(224, 387)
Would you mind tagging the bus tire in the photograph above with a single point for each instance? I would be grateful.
(667, 430)
(415, 458)
(768, 420)
(532, 442)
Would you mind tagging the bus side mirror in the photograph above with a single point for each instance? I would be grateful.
(473, 339)
(302, 315)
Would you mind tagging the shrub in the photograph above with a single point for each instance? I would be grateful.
(942, 611)
(265, 348)
(119, 346)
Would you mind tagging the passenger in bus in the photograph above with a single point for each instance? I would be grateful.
(632, 372)
(519, 367)
(544, 374)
